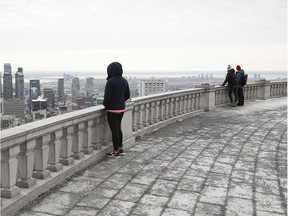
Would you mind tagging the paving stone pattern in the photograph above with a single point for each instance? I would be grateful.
(231, 161)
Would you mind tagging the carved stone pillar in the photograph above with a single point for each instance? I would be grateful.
(54, 152)
(25, 164)
(157, 111)
(141, 114)
(9, 164)
(41, 158)
(135, 118)
(66, 146)
(86, 141)
(76, 145)
(152, 113)
(172, 107)
(146, 115)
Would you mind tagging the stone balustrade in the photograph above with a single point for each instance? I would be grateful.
(37, 156)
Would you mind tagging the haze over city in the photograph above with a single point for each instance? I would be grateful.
(152, 35)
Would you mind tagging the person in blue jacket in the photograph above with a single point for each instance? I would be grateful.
(240, 76)
(117, 92)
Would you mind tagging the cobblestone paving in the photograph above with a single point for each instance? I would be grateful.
(231, 161)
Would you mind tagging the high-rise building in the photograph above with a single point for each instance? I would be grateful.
(75, 89)
(7, 82)
(19, 84)
(61, 96)
(151, 86)
(39, 109)
(35, 90)
(49, 96)
(14, 107)
(0, 85)
(89, 86)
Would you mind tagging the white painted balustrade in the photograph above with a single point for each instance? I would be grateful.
(37, 156)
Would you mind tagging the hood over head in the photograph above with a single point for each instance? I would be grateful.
(114, 69)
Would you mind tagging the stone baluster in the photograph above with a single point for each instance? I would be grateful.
(76, 144)
(181, 105)
(146, 114)
(172, 107)
(86, 142)
(190, 103)
(198, 96)
(25, 164)
(140, 122)
(135, 117)
(9, 164)
(41, 157)
(157, 112)
(102, 130)
(54, 152)
(185, 102)
(162, 110)
(152, 113)
(96, 144)
(66, 146)
(176, 106)
(167, 109)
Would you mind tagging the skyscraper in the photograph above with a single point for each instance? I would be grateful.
(7, 82)
(19, 84)
(89, 86)
(61, 96)
(49, 96)
(75, 89)
(35, 90)
(0, 85)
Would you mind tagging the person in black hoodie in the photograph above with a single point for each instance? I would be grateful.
(116, 93)
(232, 85)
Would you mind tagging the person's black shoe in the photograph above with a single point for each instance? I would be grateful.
(113, 155)
(121, 152)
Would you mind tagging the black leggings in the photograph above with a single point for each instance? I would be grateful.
(114, 121)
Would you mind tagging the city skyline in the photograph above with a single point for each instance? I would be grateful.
(153, 35)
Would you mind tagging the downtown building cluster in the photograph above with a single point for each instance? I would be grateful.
(22, 102)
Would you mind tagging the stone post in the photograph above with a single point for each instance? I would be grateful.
(54, 152)
(9, 164)
(264, 90)
(41, 158)
(146, 115)
(66, 146)
(207, 100)
(135, 117)
(76, 145)
(25, 164)
(167, 109)
(86, 138)
(152, 113)
(141, 113)
(157, 111)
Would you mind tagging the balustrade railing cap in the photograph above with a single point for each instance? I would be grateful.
(205, 86)
(263, 81)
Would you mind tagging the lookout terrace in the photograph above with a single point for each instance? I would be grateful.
(187, 153)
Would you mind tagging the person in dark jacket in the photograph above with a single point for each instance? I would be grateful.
(240, 76)
(232, 81)
(116, 93)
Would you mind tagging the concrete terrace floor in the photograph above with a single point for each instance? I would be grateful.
(231, 161)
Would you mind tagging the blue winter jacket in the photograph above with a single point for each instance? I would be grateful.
(240, 74)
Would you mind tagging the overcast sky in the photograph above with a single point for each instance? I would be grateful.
(143, 35)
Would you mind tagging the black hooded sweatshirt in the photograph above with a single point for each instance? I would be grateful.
(117, 89)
